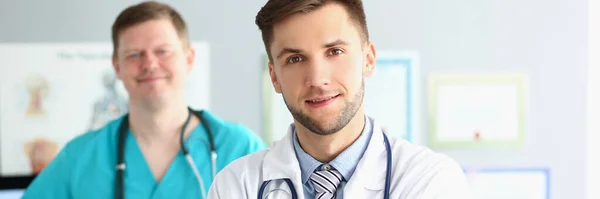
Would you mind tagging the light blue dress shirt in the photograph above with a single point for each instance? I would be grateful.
(345, 163)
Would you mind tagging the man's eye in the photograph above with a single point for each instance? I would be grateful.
(133, 55)
(335, 52)
(293, 60)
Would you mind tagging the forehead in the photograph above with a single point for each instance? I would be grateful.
(326, 24)
(150, 32)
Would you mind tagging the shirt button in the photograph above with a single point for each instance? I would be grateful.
(326, 167)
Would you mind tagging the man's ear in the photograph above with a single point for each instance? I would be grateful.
(116, 66)
(190, 58)
(370, 59)
(274, 80)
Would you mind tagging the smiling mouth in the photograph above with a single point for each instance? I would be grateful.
(319, 100)
(149, 79)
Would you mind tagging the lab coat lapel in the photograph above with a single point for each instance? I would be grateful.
(281, 163)
(369, 175)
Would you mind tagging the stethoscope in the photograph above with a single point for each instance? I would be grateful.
(388, 175)
(119, 182)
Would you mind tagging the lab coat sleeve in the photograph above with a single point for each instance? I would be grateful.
(446, 181)
(52, 181)
(213, 192)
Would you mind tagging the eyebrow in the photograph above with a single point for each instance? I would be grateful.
(128, 50)
(294, 50)
(125, 51)
(335, 43)
(287, 50)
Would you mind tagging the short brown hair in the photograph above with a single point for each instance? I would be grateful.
(277, 10)
(146, 11)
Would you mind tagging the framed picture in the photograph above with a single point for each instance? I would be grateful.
(51, 93)
(392, 94)
(514, 183)
(477, 110)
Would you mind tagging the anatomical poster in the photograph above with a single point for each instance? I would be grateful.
(53, 92)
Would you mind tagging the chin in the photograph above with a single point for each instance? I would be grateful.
(323, 113)
(154, 88)
(324, 119)
(148, 94)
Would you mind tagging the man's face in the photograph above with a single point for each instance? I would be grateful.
(319, 63)
(152, 61)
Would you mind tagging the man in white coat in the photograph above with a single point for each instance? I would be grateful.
(319, 55)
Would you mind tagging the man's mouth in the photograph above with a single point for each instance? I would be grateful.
(149, 79)
(319, 102)
(321, 99)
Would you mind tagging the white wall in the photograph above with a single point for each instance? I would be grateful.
(546, 39)
(593, 117)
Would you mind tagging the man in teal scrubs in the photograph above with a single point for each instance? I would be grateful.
(153, 57)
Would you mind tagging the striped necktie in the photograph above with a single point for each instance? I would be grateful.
(326, 182)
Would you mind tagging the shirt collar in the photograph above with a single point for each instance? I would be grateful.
(345, 162)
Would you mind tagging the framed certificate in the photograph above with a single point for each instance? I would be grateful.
(477, 110)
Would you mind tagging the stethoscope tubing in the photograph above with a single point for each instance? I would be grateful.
(388, 175)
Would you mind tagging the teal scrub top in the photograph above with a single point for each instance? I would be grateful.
(86, 166)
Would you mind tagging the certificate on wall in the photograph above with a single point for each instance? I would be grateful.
(509, 183)
(391, 93)
(477, 110)
(53, 92)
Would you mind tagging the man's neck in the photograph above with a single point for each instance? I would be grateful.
(158, 124)
(325, 148)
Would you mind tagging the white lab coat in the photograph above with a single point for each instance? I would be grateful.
(417, 173)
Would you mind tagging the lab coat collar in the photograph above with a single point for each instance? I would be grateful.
(371, 169)
(281, 161)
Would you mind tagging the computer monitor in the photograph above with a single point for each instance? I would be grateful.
(11, 193)
(13, 187)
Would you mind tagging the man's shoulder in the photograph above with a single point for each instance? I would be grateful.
(250, 164)
(418, 160)
(424, 171)
(416, 154)
(75, 163)
(225, 131)
(238, 176)
(90, 138)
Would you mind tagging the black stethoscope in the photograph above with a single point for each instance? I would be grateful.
(119, 182)
(388, 175)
